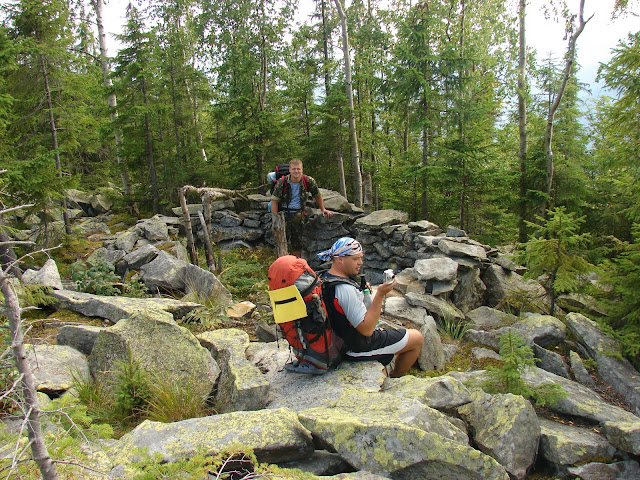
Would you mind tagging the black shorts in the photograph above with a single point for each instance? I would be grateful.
(383, 347)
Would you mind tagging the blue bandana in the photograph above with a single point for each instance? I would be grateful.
(344, 247)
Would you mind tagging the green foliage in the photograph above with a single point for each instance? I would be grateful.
(170, 402)
(35, 296)
(132, 392)
(234, 462)
(134, 396)
(452, 327)
(556, 249)
(100, 279)
(245, 271)
(517, 357)
(620, 295)
(619, 138)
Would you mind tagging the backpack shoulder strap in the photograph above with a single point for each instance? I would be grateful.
(333, 280)
(305, 182)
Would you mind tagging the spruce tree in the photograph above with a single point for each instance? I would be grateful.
(556, 250)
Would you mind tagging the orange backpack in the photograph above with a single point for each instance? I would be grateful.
(315, 345)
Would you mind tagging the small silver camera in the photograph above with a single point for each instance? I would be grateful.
(388, 275)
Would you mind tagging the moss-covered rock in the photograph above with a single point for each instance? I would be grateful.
(274, 436)
(53, 367)
(242, 385)
(370, 407)
(443, 392)
(161, 347)
(624, 435)
(563, 444)
(505, 427)
(117, 308)
(299, 391)
(397, 450)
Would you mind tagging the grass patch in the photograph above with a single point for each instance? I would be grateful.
(244, 272)
(462, 361)
(134, 396)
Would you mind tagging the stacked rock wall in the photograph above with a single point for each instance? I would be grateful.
(447, 265)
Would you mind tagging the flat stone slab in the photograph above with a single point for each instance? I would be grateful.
(117, 308)
(274, 436)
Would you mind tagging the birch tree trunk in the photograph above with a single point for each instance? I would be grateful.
(553, 107)
(112, 103)
(32, 412)
(355, 155)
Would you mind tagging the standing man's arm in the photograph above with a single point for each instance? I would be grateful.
(317, 196)
(320, 203)
(274, 206)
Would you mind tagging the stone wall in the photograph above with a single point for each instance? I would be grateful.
(415, 250)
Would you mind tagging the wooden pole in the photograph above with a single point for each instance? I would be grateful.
(211, 260)
(193, 254)
(206, 208)
(279, 233)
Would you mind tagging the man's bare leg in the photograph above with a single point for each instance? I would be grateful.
(406, 357)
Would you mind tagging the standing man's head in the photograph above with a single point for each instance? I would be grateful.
(295, 170)
(346, 254)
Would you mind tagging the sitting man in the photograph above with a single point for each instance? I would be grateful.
(290, 196)
(354, 322)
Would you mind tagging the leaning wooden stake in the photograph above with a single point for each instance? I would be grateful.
(279, 234)
(193, 254)
(211, 260)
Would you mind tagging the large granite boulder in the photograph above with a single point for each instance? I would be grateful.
(48, 275)
(165, 273)
(298, 391)
(502, 284)
(562, 444)
(273, 435)
(169, 274)
(505, 427)
(622, 428)
(468, 293)
(398, 308)
(126, 240)
(80, 337)
(543, 330)
(459, 249)
(439, 308)
(431, 354)
(205, 284)
(53, 367)
(377, 443)
(443, 393)
(487, 318)
(437, 268)
(380, 218)
(166, 351)
(242, 386)
(617, 372)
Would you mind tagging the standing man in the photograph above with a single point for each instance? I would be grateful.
(290, 196)
(354, 322)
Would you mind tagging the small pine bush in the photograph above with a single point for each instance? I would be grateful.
(101, 279)
(517, 357)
